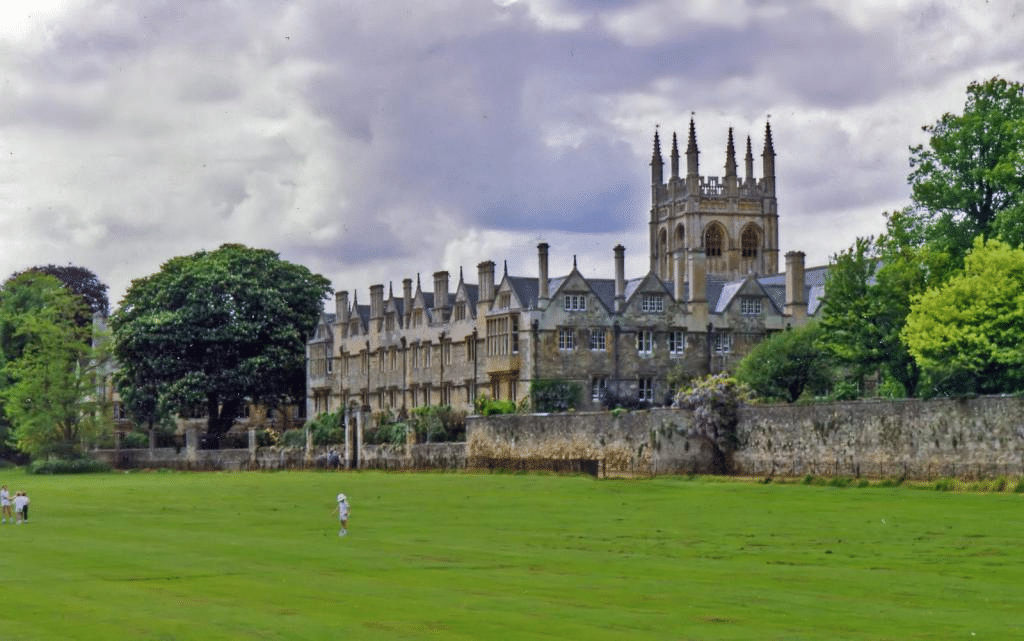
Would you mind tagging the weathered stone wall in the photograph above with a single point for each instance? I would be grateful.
(419, 456)
(966, 438)
(410, 457)
(648, 442)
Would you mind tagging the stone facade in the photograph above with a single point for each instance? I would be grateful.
(713, 291)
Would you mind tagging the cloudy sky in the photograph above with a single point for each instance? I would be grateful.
(374, 140)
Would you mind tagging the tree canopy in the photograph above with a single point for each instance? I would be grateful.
(784, 364)
(214, 329)
(82, 282)
(51, 380)
(967, 333)
(969, 179)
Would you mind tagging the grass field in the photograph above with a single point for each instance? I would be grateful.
(174, 556)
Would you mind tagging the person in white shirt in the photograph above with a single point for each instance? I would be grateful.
(21, 507)
(343, 514)
(5, 505)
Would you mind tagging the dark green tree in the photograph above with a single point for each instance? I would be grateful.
(82, 282)
(969, 179)
(785, 364)
(216, 328)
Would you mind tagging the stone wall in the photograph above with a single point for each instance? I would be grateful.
(418, 456)
(915, 439)
(646, 442)
(966, 438)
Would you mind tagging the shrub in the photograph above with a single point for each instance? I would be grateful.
(844, 391)
(267, 437)
(613, 401)
(485, 406)
(327, 428)
(554, 395)
(134, 440)
(68, 466)
(945, 485)
(294, 438)
(715, 401)
(438, 424)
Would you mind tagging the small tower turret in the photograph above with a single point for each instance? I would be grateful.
(768, 158)
(749, 165)
(657, 164)
(675, 157)
(692, 171)
(730, 165)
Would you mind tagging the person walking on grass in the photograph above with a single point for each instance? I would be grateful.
(5, 505)
(343, 514)
(21, 507)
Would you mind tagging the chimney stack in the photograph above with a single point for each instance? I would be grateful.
(341, 311)
(440, 296)
(485, 279)
(406, 301)
(376, 305)
(796, 302)
(542, 273)
(680, 280)
(620, 278)
(697, 270)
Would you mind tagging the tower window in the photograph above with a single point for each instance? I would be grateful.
(748, 243)
(713, 241)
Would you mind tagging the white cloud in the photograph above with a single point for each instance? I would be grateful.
(374, 140)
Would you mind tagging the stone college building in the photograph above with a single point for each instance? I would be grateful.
(713, 291)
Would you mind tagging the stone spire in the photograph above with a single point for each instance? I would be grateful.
(749, 164)
(730, 165)
(768, 159)
(657, 164)
(675, 157)
(692, 152)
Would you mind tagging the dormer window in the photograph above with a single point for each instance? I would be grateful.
(750, 306)
(653, 303)
(575, 302)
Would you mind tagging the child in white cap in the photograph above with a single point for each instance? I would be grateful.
(343, 514)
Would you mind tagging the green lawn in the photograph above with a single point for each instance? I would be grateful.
(172, 556)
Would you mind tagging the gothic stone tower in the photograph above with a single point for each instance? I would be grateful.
(733, 221)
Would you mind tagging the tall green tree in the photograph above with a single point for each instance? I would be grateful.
(967, 333)
(52, 390)
(969, 179)
(216, 328)
(785, 364)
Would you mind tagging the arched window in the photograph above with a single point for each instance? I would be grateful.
(713, 241)
(749, 242)
(680, 237)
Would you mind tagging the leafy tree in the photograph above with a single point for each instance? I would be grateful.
(852, 334)
(715, 401)
(52, 389)
(966, 334)
(214, 329)
(784, 364)
(969, 179)
(82, 282)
